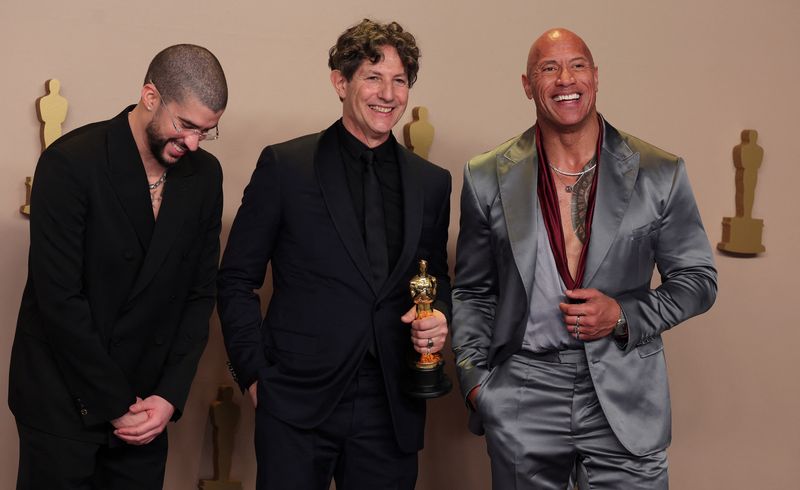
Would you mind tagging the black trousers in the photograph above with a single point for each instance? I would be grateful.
(355, 446)
(48, 462)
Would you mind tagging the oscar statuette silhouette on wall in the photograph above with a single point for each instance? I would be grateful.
(418, 134)
(224, 415)
(741, 234)
(52, 111)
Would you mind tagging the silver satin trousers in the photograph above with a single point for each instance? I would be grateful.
(543, 419)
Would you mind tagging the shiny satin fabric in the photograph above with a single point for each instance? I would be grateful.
(645, 217)
(542, 418)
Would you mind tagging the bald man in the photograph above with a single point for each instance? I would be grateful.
(556, 329)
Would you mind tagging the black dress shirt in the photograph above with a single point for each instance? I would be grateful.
(388, 172)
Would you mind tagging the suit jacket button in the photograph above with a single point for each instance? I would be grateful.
(84, 411)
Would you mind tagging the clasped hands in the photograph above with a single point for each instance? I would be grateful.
(144, 420)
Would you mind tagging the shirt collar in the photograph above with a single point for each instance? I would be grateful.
(384, 153)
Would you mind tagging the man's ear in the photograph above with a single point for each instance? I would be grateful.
(596, 79)
(526, 86)
(150, 98)
(339, 83)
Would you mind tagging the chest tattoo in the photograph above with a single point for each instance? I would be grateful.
(579, 204)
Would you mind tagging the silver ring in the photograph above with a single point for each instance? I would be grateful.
(578, 321)
(430, 344)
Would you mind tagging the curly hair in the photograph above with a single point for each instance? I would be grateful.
(364, 41)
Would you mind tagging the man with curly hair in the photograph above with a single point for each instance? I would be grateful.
(343, 217)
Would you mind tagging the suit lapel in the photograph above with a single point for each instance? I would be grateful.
(413, 204)
(333, 185)
(618, 169)
(516, 177)
(126, 173)
(174, 209)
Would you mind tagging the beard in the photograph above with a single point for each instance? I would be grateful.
(158, 144)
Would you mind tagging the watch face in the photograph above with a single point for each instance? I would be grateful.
(621, 328)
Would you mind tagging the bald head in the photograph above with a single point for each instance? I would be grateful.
(562, 80)
(553, 38)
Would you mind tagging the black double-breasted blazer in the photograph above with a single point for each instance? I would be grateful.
(117, 303)
(297, 215)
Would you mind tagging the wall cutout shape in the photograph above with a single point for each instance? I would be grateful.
(52, 111)
(224, 414)
(418, 134)
(741, 234)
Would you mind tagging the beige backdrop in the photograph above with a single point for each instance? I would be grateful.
(685, 75)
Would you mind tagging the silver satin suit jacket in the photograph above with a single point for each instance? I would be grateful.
(645, 216)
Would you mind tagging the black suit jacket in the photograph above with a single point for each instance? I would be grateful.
(117, 303)
(297, 214)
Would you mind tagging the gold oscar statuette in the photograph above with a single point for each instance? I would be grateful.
(426, 374)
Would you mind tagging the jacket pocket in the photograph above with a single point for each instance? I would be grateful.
(296, 343)
(653, 346)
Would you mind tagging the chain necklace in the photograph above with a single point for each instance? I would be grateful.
(568, 187)
(157, 183)
(573, 174)
(579, 175)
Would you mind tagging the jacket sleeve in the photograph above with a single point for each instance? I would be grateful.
(244, 264)
(192, 334)
(59, 208)
(474, 290)
(686, 265)
(439, 267)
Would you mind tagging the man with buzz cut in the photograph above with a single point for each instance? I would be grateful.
(556, 329)
(343, 217)
(124, 245)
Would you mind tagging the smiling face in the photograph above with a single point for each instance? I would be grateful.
(562, 81)
(173, 129)
(375, 98)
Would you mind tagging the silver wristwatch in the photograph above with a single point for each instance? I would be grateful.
(621, 327)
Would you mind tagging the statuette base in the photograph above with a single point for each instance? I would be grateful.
(742, 236)
(427, 380)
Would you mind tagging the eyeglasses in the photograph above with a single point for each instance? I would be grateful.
(201, 135)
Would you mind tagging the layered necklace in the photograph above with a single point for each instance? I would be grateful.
(549, 202)
(569, 187)
(157, 183)
(155, 193)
